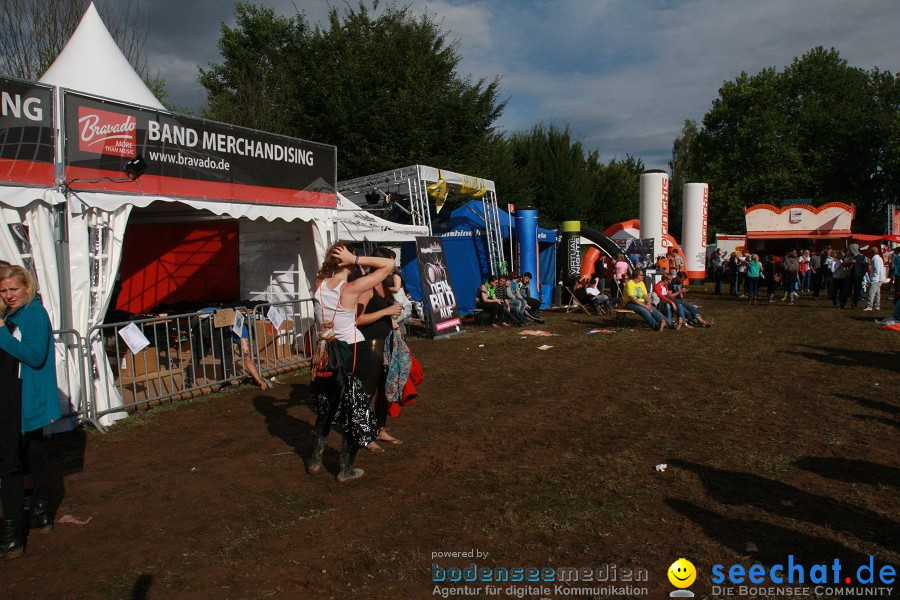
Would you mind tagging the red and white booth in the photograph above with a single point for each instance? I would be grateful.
(798, 224)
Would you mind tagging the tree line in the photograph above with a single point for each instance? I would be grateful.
(383, 85)
(819, 129)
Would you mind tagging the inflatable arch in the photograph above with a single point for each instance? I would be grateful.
(604, 242)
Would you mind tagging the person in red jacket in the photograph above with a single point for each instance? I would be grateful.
(667, 305)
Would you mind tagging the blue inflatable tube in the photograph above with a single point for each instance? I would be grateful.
(527, 246)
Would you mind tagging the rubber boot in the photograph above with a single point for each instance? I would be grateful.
(12, 538)
(347, 472)
(314, 464)
(41, 519)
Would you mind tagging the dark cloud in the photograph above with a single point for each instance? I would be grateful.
(624, 75)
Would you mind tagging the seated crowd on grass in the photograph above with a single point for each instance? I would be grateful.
(506, 300)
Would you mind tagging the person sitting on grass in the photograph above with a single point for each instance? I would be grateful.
(511, 302)
(514, 296)
(662, 263)
(638, 300)
(676, 263)
(677, 289)
(532, 305)
(673, 311)
(486, 299)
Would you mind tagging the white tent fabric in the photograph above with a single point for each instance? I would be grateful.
(279, 261)
(21, 197)
(95, 251)
(356, 224)
(92, 62)
(39, 247)
(236, 210)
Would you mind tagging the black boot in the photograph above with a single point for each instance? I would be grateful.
(41, 519)
(314, 464)
(347, 472)
(12, 538)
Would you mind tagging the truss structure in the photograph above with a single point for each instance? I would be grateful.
(413, 181)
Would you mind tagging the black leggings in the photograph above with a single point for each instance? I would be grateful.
(35, 462)
(370, 370)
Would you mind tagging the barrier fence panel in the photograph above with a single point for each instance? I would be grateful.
(187, 356)
(71, 364)
(193, 354)
(283, 335)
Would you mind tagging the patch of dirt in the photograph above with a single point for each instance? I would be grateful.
(778, 425)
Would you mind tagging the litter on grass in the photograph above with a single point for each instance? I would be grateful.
(74, 520)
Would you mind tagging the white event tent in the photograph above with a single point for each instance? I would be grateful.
(73, 240)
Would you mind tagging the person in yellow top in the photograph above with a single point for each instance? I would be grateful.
(638, 300)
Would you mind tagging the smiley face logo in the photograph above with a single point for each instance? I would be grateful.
(682, 573)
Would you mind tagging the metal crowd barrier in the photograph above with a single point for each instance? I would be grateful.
(71, 381)
(288, 346)
(189, 356)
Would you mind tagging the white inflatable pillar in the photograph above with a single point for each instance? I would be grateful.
(693, 229)
(654, 210)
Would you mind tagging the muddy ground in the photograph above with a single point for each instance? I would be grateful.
(779, 427)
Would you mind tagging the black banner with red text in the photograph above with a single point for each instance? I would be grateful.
(192, 158)
(27, 139)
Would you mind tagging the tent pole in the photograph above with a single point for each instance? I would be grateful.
(64, 271)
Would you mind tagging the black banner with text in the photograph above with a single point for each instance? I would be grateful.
(26, 133)
(193, 158)
(437, 292)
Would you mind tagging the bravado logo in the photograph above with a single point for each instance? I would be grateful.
(104, 132)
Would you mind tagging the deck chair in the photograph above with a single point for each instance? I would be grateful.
(574, 303)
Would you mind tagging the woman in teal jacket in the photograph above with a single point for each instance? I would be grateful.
(27, 336)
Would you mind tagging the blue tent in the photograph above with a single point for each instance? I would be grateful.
(465, 246)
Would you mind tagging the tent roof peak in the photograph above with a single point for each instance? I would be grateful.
(93, 63)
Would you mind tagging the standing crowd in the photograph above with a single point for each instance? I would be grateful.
(852, 276)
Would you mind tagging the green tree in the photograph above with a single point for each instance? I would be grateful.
(818, 129)
(679, 170)
(381, 85)
(616, 195)
(548, 169)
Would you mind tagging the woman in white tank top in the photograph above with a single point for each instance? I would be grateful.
(335, 300)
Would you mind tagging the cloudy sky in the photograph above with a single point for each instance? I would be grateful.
(623, 74)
